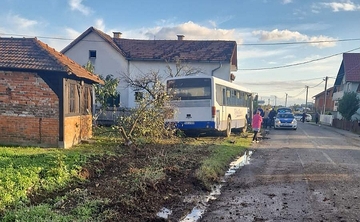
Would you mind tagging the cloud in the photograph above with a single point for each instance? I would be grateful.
(71, 33)
(287, 1)
(342, 6)
(20, 22)
(99, 24)
(18, 26)
(286, 35)
(76, 5)
(193, 31)
(258, 53)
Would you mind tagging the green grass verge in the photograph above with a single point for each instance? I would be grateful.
(222, 154)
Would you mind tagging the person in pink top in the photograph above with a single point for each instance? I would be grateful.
(256, 125)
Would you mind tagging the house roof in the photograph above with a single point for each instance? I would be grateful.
(340, 75)
(186, 50)
(349, 68)
(32, 54)
(352, 67)
(329, 90)
(168, 50)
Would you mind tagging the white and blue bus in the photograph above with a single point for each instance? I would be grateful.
(206, 103)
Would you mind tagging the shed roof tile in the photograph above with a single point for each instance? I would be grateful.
(31, 53)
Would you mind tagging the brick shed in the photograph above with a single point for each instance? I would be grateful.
(46, 98)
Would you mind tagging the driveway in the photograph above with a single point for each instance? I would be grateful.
(311, 174)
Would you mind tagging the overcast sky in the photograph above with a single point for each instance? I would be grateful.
(283, 45)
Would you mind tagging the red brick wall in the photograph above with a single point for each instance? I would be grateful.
(319, 102)
(29, 110)
(77, 128)
(29, 131)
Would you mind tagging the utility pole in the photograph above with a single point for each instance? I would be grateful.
(286, 99)
(306, 98)
(275, 100)
(326, 79)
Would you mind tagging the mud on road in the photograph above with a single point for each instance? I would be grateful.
(312, 174)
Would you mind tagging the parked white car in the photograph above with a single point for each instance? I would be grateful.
(298, 117)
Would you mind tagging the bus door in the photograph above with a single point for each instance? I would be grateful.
(223, 117)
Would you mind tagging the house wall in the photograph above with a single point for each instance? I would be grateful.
(77, 128)
(319, 102)
(29, 110)
(142, 68)
(107, 61)
(110, 61)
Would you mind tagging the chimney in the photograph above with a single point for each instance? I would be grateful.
(117, 35)
(180, 37)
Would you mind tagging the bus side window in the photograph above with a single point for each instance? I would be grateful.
(228, 93)
(219, 94)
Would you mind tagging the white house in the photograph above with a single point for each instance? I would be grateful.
(348, 79)
(132, 57)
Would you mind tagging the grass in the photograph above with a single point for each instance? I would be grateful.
(24, 171)
(214, 166)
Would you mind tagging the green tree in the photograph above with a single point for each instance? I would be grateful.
(106, 92)
(348, 105)
(147, 119)
(103, 93)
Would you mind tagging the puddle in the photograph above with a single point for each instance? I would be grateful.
(202, 201)
(164, 213)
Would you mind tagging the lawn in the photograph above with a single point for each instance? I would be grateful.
(108, 181)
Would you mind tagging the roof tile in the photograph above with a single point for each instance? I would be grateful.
(30, 53)
(169, 50)
(352, 67)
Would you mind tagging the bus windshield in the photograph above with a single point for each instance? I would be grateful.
(189, 89)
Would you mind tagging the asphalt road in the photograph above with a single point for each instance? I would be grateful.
(308, 174)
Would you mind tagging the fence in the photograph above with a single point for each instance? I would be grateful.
(110, 116)
(353, 126)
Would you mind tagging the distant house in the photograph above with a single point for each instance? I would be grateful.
(130, 57)
(347, 79)
(45, 97)
(320, 98)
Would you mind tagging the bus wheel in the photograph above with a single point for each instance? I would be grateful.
(228, 128)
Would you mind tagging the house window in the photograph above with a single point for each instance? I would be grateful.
(139, 96)
(358, 89)
(92, 54)
(113, 101)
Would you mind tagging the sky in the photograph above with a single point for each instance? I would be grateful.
(286, 48)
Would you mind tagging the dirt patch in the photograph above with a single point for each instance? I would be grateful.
(110, 177)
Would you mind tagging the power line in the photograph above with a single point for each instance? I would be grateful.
(297, 43)
(244, 44)
(300, 63)
(316, 85)
(249, 69)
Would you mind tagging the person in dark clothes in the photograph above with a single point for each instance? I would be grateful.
(303, 117)
(272, 115)
(317, 117)
(261, 111)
